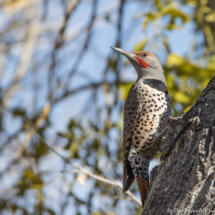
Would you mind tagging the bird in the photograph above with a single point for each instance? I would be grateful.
(146, 111)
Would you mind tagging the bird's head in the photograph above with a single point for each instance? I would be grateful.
(146, 64)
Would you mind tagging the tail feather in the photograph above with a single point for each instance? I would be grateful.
(139, 165)
(144, 186)
(128, 176)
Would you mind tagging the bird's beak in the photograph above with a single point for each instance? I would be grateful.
(129, 55)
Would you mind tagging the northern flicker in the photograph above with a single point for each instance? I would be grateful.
(146, 111)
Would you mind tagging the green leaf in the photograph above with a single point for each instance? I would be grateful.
(181, 98)
(149, 17)
(166, 43)
(175, 13)
(164, 11)
(157, 2)
(140, 45)
(73, 150)
(19, 112)
(174, 60)
(124, 90)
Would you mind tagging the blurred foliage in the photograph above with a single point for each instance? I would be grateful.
(54, 88)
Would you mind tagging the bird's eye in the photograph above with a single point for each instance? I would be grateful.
(144, 54)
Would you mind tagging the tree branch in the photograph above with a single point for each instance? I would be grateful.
(185, 179)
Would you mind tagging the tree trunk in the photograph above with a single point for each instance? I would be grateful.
(184, 183)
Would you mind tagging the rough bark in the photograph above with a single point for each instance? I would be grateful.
(184, 182)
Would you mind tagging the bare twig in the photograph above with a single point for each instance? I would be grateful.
(28, 46)
(60, 38)
(88, 86)
(86, 43)
(22, 146)
(114, 183)
(44, 114)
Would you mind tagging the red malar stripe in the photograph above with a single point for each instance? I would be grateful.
(142, 63)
